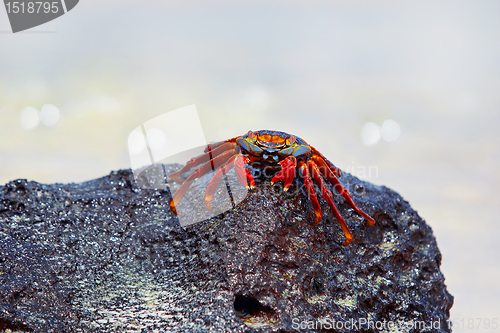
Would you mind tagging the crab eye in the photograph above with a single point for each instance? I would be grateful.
(292, 140)
(250, 134)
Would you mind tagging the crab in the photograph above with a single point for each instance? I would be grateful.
(273, 150)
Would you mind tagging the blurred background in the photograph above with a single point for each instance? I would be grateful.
(403, 94)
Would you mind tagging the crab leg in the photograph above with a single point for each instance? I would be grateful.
(327, 194)
(244, 175)
(317, 154)
(287, 172)
(310, 191)
(212, 186)
(197, 173)
(233, 140)
(328, 173)
(224, 146)
(218, 144)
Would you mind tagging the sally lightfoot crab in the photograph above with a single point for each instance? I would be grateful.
(271, 150)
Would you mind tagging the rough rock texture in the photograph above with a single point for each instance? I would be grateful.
(108, 256)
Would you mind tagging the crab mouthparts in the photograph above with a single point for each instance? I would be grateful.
(272, 158)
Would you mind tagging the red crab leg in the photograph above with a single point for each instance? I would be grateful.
(327, 172)
(214, 146)
(287, 172)
(317, 154)
(327, 194)
(244, 175)
(310, 191)
(212, 186)
(197, 173)
(202, 159)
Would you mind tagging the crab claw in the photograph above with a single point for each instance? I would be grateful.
(287, 172)
(243, 174)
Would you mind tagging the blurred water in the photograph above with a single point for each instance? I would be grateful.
(320, 70)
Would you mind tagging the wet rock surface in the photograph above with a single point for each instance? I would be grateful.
(107, 256)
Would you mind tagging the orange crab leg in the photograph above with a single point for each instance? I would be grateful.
(328, 173)
(287, 172)
(197, 173)
(310, 191)
(212, 186)
(323, 162)
(327, 194)
(214, 152)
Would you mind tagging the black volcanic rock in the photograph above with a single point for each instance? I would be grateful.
(107, 256)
